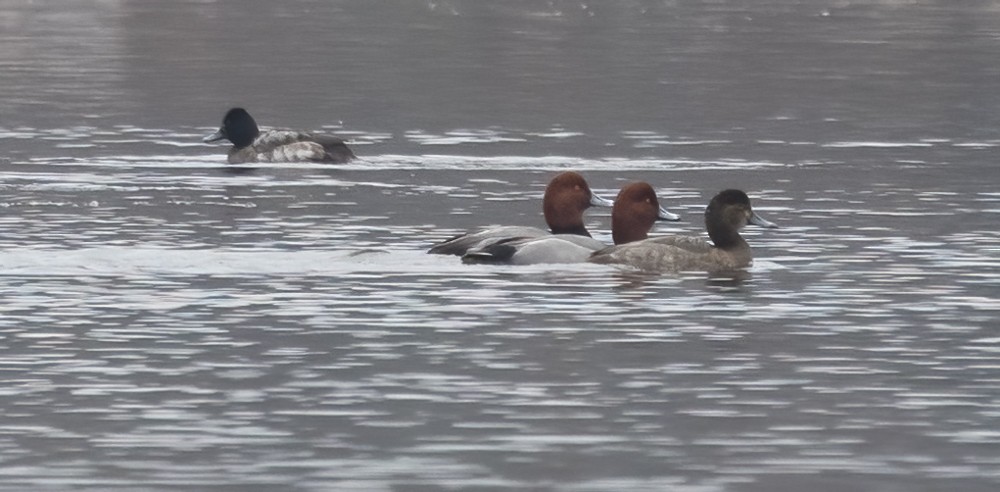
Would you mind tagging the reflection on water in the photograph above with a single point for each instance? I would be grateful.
(168, 321)
(174, 322)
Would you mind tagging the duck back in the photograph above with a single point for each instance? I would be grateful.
(674, 254)
(462, 243)
(555, 248)
(292, 146)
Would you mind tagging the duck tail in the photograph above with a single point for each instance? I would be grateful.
(452, 246)
(498, 253)
(336, 149)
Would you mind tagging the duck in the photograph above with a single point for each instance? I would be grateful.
(726, 214)
(566, 198)
(635, 201)
(252, 145)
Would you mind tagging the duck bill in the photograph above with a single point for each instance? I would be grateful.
(759, 221)
(215, 137)
(599, 201)
(664, 214)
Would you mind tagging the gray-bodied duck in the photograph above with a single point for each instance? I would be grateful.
(566, 197)
(726, 214)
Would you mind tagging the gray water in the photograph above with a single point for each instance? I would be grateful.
(169, 322)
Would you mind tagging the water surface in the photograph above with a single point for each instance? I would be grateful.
(170, 322)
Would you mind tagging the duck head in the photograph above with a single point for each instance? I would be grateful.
(567, 196)
(238, 127)
(726, 214)
(635, 211)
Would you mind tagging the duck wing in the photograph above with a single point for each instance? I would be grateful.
(290, 145)
(689, 244)
(670, 253)
(462, 243)
(336, 149)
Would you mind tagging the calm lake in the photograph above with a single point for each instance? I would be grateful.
(171, 322)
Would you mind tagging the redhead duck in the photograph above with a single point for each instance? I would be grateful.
(252, 145)
(636, 202)
(726, 214)
(567, 196)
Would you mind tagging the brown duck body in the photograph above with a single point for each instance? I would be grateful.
(676, 253)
